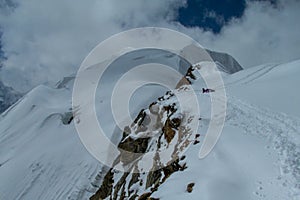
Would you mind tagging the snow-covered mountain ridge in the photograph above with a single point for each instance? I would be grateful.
(257, 156)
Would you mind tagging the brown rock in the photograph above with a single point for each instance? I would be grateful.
(168, 131)
(145, 196)
(189, 187)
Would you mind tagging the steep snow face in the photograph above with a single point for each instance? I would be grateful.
(257, 156)
(41, 155)
(8, 96)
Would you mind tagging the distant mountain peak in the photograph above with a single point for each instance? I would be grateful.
(8, 96)
(225, 62)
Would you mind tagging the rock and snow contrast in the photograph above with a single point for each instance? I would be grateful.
(256, 157)
(8, 96)
(225, 62)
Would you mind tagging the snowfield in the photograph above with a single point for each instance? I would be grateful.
(257, 156)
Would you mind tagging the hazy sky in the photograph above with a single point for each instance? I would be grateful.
(44, 40)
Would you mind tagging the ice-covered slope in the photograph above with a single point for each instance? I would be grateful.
(257, 157)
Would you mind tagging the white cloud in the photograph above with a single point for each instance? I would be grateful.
(45, 40)
(264, 34)
(219, 19)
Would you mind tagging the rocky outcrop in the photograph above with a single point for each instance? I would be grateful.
(188, 78)
(162, 127)
(8, 96)
(189, 187)
(225, 62)
(66, 82)
(154, 129)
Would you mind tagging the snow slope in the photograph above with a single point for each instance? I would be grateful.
(274, 86)
(257, 156)
(40, 157)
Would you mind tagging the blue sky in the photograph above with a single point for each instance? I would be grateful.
(210, 14)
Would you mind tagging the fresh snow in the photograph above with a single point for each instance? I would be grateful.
(257, 156)
(272, 86)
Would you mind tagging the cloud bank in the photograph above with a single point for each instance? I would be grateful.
(264, 34)
(46, 40)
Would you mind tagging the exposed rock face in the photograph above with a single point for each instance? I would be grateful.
(8, 96)
(157, 128)
(225, 62)
(164, 126)
(66, 82)
(189, 187)
(67, 118)
(188, 78)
